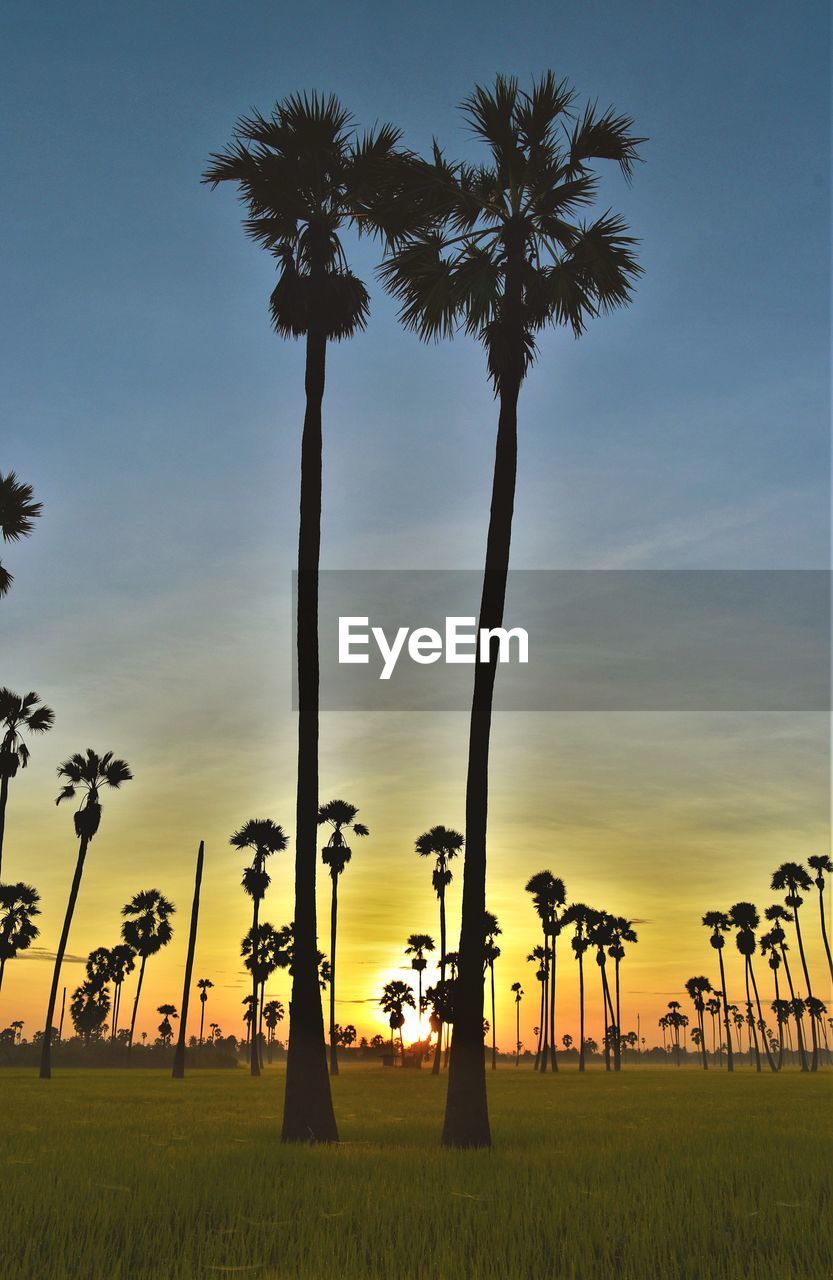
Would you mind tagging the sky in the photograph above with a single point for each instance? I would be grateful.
(158, 417)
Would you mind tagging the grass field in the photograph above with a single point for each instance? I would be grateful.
(652, 1175)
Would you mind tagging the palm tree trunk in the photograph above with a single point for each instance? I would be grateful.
(821, 916)
(136, 1004)
(4, 795)
(545, 992)
(2, 970)
(779, 1023)
(46, 1048)
(750, 1020)
(761, 1019)
(605, 1036)
(438, 1054)
(179, 1055)
(581, 1010)
(467, 1114)
(703, 1039)
(609, 1010)
(540, 1028)
(63, 1010)
(202, 1018)
(814, 1064)
(333, 930)
(494, 1033)
(517, 1033)
(618, 1015)
(799, 1030)
(730, 1060)
(254, 1060)
(553, 1056)
(308, 1106)
(260, 1023)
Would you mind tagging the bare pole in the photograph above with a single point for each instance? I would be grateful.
(178, 1072)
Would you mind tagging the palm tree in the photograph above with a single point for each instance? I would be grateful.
(548, 894)
(675, 1020)
(273, 1013)
(778, 915)
(519, 991)
(622, 931)
(418, 944)
(18, 513)
(147, 928)
(165, 1029)
(821, 864)
(770, 947)
(341, 817)
(745, 918)
(537, 956)
(17, 715)
(492, 930)
(581, 918)
(601, 937)
(263, 951)
(122, 962)
(442, 844)
(88, 1009)
(262, 837)
(87, 774)
(793, 878)
(18, 907)
(204, 985)
(713, 1007)
(720, 924)
(305, 178)
(817, 1009)
(396, 997)
(698, 989)
(501, 259)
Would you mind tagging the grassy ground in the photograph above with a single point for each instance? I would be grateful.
(652, 1175)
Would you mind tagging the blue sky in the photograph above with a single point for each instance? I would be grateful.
(158, 417)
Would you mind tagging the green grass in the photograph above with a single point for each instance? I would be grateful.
(651, 1175)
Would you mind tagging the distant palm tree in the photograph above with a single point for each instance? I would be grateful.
(87, 774)
(263, 954)
(122, 962)
(821, 864)
(18, 907)
(88, 1009)
(548, 894)
(341, 817)
(581, 918)
(503, 260)
(492, 930)
(305, 178)
(204, 985)
(396, 997)
(18, 513)
(769, 944)
(794, 879)
(166, 1031)
(418, 944)
(601, 937)
(147, 928)
(567, 1041)
(537, 956)
(442, 844)
(720, 924)
(17, 715)
(779, 915)
(273, 1013)
(713, 1007)
(518, 991)
(622, 931)
(262, 837)
(817, 1009)
(675, 1020)
(698, 989)
(745, 918)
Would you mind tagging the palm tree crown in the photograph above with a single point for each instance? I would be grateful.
(264, 837)
(16, 715)
(146, 926)
(88, 774)
(18, 906)
(341, 816)
(18, 512)
(442, 843)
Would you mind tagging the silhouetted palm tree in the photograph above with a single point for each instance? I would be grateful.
(87, 774)
(779, 915)
(769, 944)
(821, 864)
(720, 924)
(601, 937)
(503, 260)
(122, 962)
(793, 879)
(519, 992)
(537, 956)
(442, 844)
(675, 1021)
(622, 931)
(17, 715)
(273, 1013)
(147, 928)
(698, 989)
(548, 894)
(305, 178)
(581, 918)
(18, 513)
(341, 817)
(396, 997)
(492, 930)
(262, 837)
(817, 1009)
(745, 918)
(418, 944)
(18, 907)
(713, 1007)
(88, 1009)
(204, 985)
(165, 1029)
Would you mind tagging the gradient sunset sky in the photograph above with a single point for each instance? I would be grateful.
(158, 417)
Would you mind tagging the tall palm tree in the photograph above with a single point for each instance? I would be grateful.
(821, 864)
(166, 1031)
(396, 997)
(622, 931)
(88, 774)
(720, 924)
(492, 930)
(305, 178)
(17, 715)
(122, 962)
(146, 927)
(793, 879)
(698, 989)
(518, 992)
(263, 952)
(261, 837)
(580, 917)
(340, 817)
(417, 945)
(18, 907)
(601, 937)
(442, 844)
(548, 894)
(18, 513)
(745, 918)
(505, 256)
(769, 944)
(204, 985)
(779, 915)
(537, 956)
